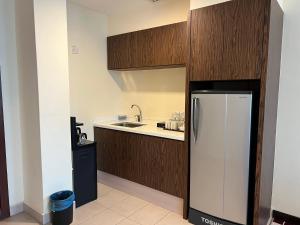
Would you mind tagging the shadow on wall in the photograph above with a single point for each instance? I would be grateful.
(159, 80)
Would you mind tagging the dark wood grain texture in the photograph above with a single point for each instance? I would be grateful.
(286, 219)
(187, 122)
(159, 47)
(151, 161)
(227, 41)
(4, 201)
(270, 75)
(241, 40)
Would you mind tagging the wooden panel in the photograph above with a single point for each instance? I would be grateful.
(283, 218)
(170, 44)
(241, 40)
(270, 71)
(187, 122)
(158, 47)
(118, 55)
(4, 201)
(151, 161)
(227, 41)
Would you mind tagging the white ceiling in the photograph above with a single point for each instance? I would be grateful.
(111, 7)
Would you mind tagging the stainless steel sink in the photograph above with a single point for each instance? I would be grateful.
(128, 124)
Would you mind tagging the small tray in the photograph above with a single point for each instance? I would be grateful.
(174, 130)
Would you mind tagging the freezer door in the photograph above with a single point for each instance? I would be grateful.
(237, 155)
(207, 153)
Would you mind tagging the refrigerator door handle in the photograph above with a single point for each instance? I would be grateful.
(196, 112)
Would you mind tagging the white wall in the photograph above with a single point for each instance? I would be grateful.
(10, 92)
(158, 92)
(195, 4)
(50, 18)
(94, 92)
(42, 62)
(29, 105)
(280, 3)
(158, 14)
(286, 188)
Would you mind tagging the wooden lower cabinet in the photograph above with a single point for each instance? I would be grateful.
(151, 161)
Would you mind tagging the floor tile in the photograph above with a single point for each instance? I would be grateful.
(113, 207)
(103, 189)
(108, 217)
(149, 215)
(112, 198)
(20, 219)
(87, 211)
(127, 222)
(128, 206)
(173, 219)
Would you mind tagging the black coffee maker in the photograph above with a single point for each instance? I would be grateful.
(77, 137)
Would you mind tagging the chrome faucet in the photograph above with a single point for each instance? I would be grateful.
(139, 117)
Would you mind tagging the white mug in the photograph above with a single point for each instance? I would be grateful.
(174, 125)
(168, 125)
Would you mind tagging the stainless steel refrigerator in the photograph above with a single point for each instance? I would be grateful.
(219, 157)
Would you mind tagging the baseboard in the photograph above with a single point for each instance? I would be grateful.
(41, 218)
(16, 209)
(46, 218)
(159, 198)
(283, 218)
(270, 221)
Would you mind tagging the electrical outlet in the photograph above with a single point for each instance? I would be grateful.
(75, 50)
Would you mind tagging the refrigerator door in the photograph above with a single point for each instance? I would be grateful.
(237, 155)
(207, 153)
(220, 153)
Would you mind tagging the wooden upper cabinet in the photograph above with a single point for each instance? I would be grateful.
(227, 41)
(118, 51)
(158, 47)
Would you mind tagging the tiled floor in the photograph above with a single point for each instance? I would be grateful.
(21, 219)
(113, 208)
(116, 207)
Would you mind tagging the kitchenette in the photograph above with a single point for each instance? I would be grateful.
(181, 115)
(149, 112)
(134, 108)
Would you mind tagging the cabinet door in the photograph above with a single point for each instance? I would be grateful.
(118, 51)
(108, 155)
(142, 48)
(227, 41)
(158, 47)
(151, 161)
(170, 44)
(85, 175)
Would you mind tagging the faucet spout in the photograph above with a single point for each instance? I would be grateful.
(140, 115)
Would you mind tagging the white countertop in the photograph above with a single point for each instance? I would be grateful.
(148, 129)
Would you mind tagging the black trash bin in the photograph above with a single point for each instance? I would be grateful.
(61, 206)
